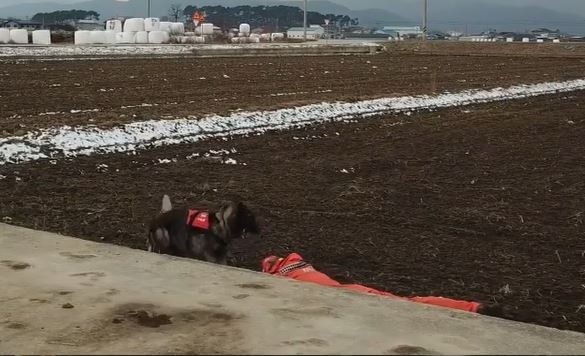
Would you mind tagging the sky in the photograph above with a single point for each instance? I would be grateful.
(576, 7)
(561, 5)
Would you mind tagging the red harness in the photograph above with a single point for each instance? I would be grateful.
(198, 219)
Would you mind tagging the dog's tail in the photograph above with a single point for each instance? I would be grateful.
(166, 204)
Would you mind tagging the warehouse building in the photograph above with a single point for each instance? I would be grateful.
(314, 32)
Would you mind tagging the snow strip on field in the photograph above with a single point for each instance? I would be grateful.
(117, 50)
(87, 140)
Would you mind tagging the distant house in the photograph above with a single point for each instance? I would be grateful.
(21, 24)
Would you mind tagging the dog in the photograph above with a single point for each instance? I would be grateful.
(200, 234)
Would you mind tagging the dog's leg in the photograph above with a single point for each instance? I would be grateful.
(160, 240)
(150, 242)
(211, 258)
(223, 260)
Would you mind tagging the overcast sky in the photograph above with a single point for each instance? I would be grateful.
(571, 6)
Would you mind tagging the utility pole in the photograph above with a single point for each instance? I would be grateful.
(305, 22)
(148, 8)
(425, 18)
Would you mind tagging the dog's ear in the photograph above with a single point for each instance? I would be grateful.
(225, 219)
(166, 204)
(230, 213)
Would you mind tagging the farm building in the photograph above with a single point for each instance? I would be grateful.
(400, 31)
(86, 25)
(314, 32)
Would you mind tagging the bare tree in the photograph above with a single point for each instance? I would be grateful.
(175, 11)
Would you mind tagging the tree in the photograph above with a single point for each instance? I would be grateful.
(175, 12)
(60, 16)
(267, 17)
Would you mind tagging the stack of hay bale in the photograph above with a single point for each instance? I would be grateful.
(20, 36)
(132, 31)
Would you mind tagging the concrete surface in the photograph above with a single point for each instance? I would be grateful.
(62, 295)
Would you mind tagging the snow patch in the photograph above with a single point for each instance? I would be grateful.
(88, 140)
(166, 160)
(102, 168)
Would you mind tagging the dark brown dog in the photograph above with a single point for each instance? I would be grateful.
(200, 234)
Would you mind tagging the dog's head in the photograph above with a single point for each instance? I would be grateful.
(236, 220)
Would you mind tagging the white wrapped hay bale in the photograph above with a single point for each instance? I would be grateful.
(19, 36)
(190, 34)
(97, 37)
(110, 37)
(119, 37)
(41, 37)
(128, 37)
(82, 37)
(199, 39)
(525, 40)
(177, 28)
(141, 37)
(152, 24)
(4, 35)
(244, 30)
(114, 25)
(510, 39)
(165, 26)
(539, 41)
(235, 40)
(265, 37)
(158, 37)
(556, 40)
(277, 36)
(254, 39)
(134, 25)
(207, 29)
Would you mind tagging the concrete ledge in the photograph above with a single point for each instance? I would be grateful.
(62, 295)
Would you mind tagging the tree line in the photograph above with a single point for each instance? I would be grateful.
(60, 16)
(274, 17)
